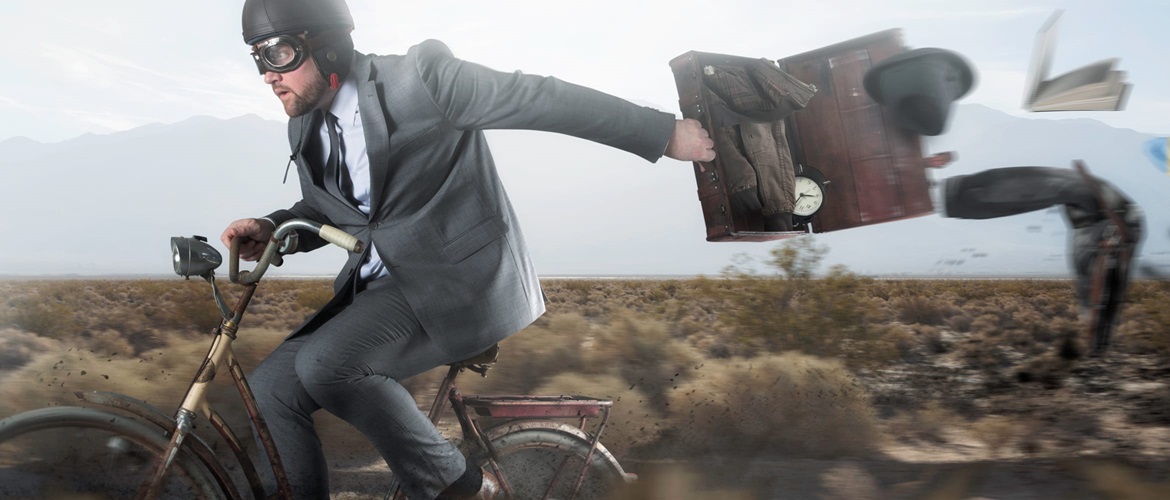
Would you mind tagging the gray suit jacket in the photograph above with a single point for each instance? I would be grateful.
(439, 217)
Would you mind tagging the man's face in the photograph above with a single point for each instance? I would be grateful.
(300, 90)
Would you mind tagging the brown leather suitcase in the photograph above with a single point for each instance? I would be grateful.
(871, 171)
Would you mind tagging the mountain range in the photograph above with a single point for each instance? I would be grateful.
(108, 204)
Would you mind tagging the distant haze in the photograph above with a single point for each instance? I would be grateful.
(124, 123)
(107, 204)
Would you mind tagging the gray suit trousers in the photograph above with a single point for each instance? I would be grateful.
(350, 366)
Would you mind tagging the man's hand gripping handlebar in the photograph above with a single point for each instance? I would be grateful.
(283, 241)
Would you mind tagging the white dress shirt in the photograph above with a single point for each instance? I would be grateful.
(354, 157)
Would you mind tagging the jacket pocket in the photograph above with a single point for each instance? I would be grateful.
(474, 239)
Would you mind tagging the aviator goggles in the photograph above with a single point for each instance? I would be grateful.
(279, 54)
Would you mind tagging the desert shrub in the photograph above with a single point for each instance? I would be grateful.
(632, 421)
(1048, 371)
(893, 342)
(788, 404)
(924, 310)
(185, 305)
(1145, 321)
(996, 432)
(579, 286)
(929, 423)
(986, 325)
(960, 322)
(314, 297)
(19, 347)
(798, 258)
(533, 355)
(641, 351)
(982, 351)
(1032, 323)
(117, 341)
(790, 311)
(932, 339)
(45, 315)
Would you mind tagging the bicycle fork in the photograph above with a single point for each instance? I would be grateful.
(183, 422)
(195, 402)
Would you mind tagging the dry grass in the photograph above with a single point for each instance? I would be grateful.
(790, 404)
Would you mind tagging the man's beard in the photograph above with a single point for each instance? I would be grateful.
(305, 102)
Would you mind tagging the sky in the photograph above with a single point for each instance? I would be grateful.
(73, 68)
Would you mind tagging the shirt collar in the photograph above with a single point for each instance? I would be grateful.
(345, 103)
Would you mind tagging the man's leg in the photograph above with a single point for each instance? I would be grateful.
(351, 366)
(287, 410)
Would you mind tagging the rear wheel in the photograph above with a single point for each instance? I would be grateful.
(76, 452)
(536, 461)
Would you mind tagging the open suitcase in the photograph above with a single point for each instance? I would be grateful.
(869, 170)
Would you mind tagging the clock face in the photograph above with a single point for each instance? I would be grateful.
(809, 196)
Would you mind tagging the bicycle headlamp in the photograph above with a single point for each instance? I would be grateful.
(193, 256)
(279, 54)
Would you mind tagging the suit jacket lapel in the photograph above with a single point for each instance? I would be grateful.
(301, 129)
(376, 130)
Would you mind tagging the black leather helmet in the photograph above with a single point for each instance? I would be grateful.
(264, 19)
(268, 18)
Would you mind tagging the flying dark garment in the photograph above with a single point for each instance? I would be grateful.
(1100, 251)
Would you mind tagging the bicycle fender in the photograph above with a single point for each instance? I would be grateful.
(498, 430)
(153, 415)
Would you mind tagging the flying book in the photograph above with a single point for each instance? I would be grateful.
(1096, 87)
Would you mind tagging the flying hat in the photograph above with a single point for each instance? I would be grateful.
(918, 86)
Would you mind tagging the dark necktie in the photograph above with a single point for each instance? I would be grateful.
(334, 166)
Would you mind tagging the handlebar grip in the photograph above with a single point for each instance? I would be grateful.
(341, 239)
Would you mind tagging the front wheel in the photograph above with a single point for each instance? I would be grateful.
(77, 451)
(545, 463)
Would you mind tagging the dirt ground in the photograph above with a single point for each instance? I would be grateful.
(1096, 428)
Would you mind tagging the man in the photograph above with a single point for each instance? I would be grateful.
(390, 149)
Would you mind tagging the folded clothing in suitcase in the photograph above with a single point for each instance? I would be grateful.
(803, 120)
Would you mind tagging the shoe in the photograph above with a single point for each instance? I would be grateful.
(489, 489)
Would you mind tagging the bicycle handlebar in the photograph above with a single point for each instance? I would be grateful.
(328, 233)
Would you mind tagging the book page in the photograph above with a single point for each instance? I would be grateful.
(1064, 87)
(1041, 58)
(1113, 100)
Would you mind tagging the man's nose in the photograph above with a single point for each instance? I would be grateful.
(271, 77)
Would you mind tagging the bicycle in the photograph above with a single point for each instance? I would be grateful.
(121, 446)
